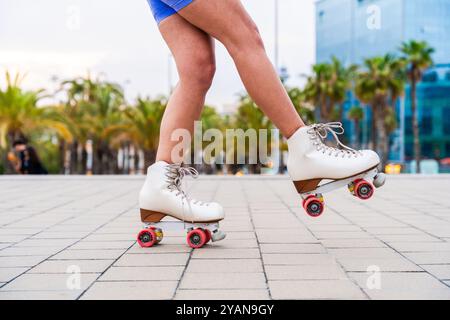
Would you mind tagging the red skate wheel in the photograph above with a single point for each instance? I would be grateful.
(146, 238)
(313, 207)
(196, 238)
(208, 235)
(363, 189)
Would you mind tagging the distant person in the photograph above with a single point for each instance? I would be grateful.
(27, 160)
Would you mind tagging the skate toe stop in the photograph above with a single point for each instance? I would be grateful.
(218, 235)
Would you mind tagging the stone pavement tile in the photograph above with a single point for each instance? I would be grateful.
(315, 289)
(161, 248)
(29, 251)
(60, 235)
(342, 235)
(404, 286)
(4, 245)
(421, 246)
(363, 253)
(224, 266)
(87, 254)
(6, 274)
(385, 265)
(223, 281)
(236, 225)
(18, 231)
(129, 236)
(211, 294)
(32, 243)
(352, 243)
(440, 271)
(8, 238)
(142, 273)
(61, 266)
(131, 290)
(40, 295)
(298, 235)
(21, 261)
(292, 248)
(244, 235)
(325, 228)
(286, 259)
(305, 272)
(407, 238)
(232, 244)
(156, 259)
(394, 231)
(211, 253)
(283, 221)
(82, 245)
(47, 282)
(442, 257)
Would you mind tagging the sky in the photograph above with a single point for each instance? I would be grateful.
(118, 40)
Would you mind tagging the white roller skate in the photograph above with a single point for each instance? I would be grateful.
(162, 196)
(311, 161)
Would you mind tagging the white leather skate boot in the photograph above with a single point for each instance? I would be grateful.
(162, 195)
(311, 161)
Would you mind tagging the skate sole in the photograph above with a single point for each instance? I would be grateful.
(149, 216)
(306, 186)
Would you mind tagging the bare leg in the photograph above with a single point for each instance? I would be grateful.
(193, 51)
(227, 21)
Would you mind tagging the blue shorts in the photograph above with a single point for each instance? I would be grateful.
(165, 8)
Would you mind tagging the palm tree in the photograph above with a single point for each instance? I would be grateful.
(20, 116)
(417, 55)
(141, 127)
(249, 116)
(356, 114)
(327, 87)
(92, 107)
(380, 85)
(18, 110)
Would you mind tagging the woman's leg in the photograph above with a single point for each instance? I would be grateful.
(193, 51)
(227, 21)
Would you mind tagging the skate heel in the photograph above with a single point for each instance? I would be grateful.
(151, 216)
(306, 185)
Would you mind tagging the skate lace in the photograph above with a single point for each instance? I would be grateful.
(175, 174)
(319, 132)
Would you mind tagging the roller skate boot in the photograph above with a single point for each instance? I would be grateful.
(317, 168)
(162, 196)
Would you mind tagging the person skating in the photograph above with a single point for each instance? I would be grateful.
(189, 28)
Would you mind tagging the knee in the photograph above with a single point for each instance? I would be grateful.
(247, 39)
(199, 71)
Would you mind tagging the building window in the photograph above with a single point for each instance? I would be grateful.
(427, 150)
(446, 120)
(447, 150)
(426, 124)
(430, 77)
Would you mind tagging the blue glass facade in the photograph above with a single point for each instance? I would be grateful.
(353, 30)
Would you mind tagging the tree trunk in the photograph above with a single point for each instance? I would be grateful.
(374, 127)
(149, 158)
(383, 137)
(73, 166)
(357, 134)
(62, 156)
(415, 124)
(84, 158)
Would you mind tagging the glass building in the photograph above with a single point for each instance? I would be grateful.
(353, 30)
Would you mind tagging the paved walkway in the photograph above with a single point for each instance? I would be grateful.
(53, 228)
